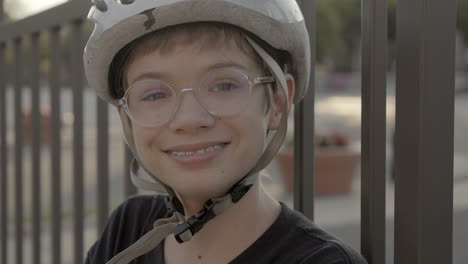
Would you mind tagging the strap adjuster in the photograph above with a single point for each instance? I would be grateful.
(195, 223)
(173, 205)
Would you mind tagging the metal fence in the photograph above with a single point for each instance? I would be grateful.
(424, 130)
(48, 25)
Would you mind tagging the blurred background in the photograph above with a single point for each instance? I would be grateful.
(337, 138)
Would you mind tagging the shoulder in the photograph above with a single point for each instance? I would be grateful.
(127, 223)
(141, 205)
(314, 245)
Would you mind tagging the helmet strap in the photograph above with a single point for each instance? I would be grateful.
(280, 135)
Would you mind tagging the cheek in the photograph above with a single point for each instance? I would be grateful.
(257, 110)
(253, 124)
(251, 145)
(145, 141)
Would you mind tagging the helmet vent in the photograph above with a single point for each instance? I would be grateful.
(100, 5)
(125, 2)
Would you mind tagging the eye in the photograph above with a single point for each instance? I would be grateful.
(155, 96)
(224, 86)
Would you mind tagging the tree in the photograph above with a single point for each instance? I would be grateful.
(338, 31)
(462, 18)
(328, 30)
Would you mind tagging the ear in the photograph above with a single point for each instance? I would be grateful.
(280, 105)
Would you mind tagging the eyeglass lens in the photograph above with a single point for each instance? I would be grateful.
(223, 92)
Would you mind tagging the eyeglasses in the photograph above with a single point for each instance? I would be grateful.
(222, 92)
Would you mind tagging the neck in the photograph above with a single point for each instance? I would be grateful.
(227, 235)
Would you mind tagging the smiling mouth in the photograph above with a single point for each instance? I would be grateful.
(201, 151)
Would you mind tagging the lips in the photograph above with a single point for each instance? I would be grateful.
(193, 147)
(193, 154)
(197, 152)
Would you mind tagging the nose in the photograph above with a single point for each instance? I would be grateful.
(190, 116)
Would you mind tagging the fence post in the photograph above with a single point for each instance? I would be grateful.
(102, 164)
(36, 146)
(55, 144)
(304, 129)
(424, 131)
(18, 89)
(77, 79)
(2, 11)
(3, 158)
(374, 70)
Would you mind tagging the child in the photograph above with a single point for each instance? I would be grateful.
(203, 89)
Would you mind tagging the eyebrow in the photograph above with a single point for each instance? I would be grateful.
(148, 75)
(162, 75)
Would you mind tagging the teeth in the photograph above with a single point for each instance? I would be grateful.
(198, 152)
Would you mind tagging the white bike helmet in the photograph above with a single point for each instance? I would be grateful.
(279, 23)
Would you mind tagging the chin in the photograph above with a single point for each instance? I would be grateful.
(201, 190)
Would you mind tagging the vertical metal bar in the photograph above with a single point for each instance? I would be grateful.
(36, 148)
(103, 164)
(2, 11)
(424, 131)
(128, 185)
(18, 86)
(78, 183)
(3, 159)
(373, 172)
(55, 143)
(304, 117)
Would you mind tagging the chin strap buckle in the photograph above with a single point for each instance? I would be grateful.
(186, 230)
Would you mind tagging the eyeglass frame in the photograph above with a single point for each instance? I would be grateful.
(123, 102)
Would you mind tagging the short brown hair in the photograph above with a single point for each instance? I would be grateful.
(210, 33)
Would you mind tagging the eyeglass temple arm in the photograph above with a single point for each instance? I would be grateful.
(267, 79)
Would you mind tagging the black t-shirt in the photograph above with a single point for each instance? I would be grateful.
(291, 239)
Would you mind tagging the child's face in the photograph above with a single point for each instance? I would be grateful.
(234, 143)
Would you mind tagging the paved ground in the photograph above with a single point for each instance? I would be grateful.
(335, 110)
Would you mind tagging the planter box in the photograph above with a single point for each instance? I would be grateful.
(44, 128)
(334, 170)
